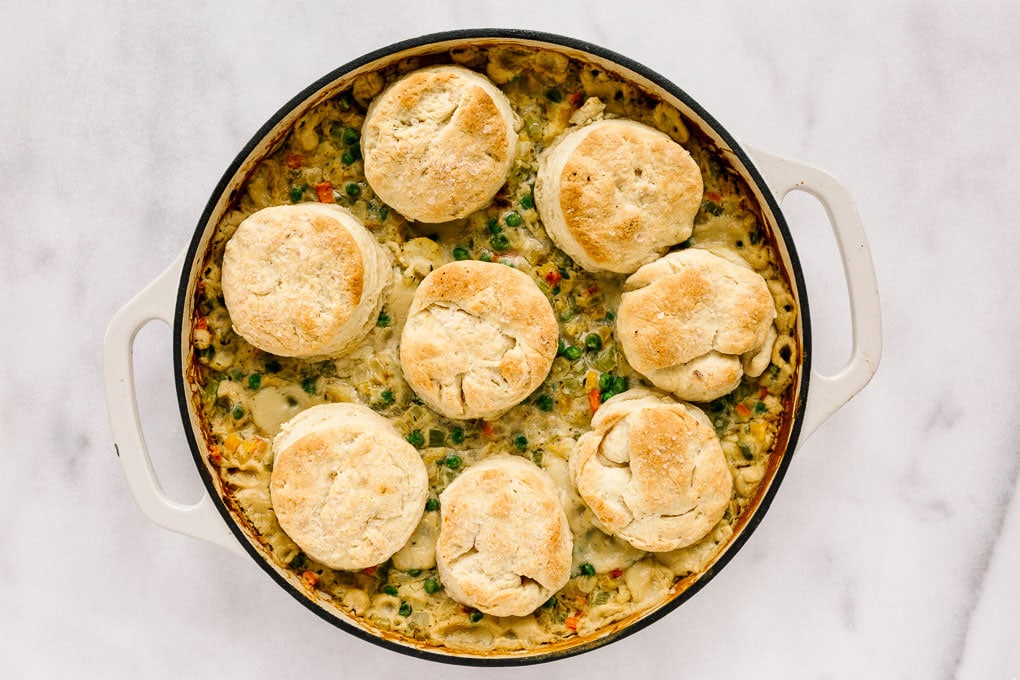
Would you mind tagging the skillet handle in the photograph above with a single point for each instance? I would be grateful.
(830, 392)
(155, 302)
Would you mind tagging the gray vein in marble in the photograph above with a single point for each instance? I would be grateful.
(984, 559)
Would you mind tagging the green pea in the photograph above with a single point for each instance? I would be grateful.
(610, 316)
(351, 136)
(485, 256)
(493, 226)
(453, 461)
(432, 504)
(390, 590)
(387, 396)
(308, 385)
(587, 569)
(573, 353)
(353, 190)
(461, 253)
(619, 384)
(384, 212)
(457, 435)
(297, 193)
(500, 243)
(431, 586)
(544, 403)
(593, 341)
(347, 158)
(521, 442)
(405, 609)
(416, 439)
(512, 220)
(760, 407)
(554, 95)
(384, 320)
(527, 202)
(254, 382)
(299, 561)
(561, 347)
(606, 381)
(746, 452)
(475, 617)
(414, 573)
(237, 412)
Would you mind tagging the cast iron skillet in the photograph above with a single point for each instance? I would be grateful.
(170, 298)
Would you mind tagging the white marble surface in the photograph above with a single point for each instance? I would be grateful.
(893, 547)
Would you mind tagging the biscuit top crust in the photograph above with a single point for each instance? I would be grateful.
(504, 543)
(292, 278)
(652, 471)
(690, 303)
(345, 486)
(479, 338)
(438, 143)
(626, 193)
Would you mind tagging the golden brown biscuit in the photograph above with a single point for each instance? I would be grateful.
(346, 487)
(479, 338)
(615, 194)
(693, 323)
(304, 280)
(438, 143)
(652, 471)
(504, 543)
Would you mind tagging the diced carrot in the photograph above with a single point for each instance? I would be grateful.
(200, 287)
(214, 456)
(324, 190)
(369, 570)
(553, 278)
(616, 573)
(742, 410)
(594, 399)
(310, 577)
(571, 622)
(711, 195)
(232, 442)
(575, 98)
(295, 160)
(763, 392)
(487, 429)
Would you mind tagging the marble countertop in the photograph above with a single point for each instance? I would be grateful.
(893, 546)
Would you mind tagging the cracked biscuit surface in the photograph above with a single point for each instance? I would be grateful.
(615, 194)
(304, 280)
(652, 471)
(345, 486)
(438, 143)
(479, 338)
(504, 542)
(694, 323)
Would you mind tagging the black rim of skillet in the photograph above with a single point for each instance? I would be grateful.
(556, 40)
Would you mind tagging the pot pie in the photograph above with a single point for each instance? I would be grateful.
(244, 395)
